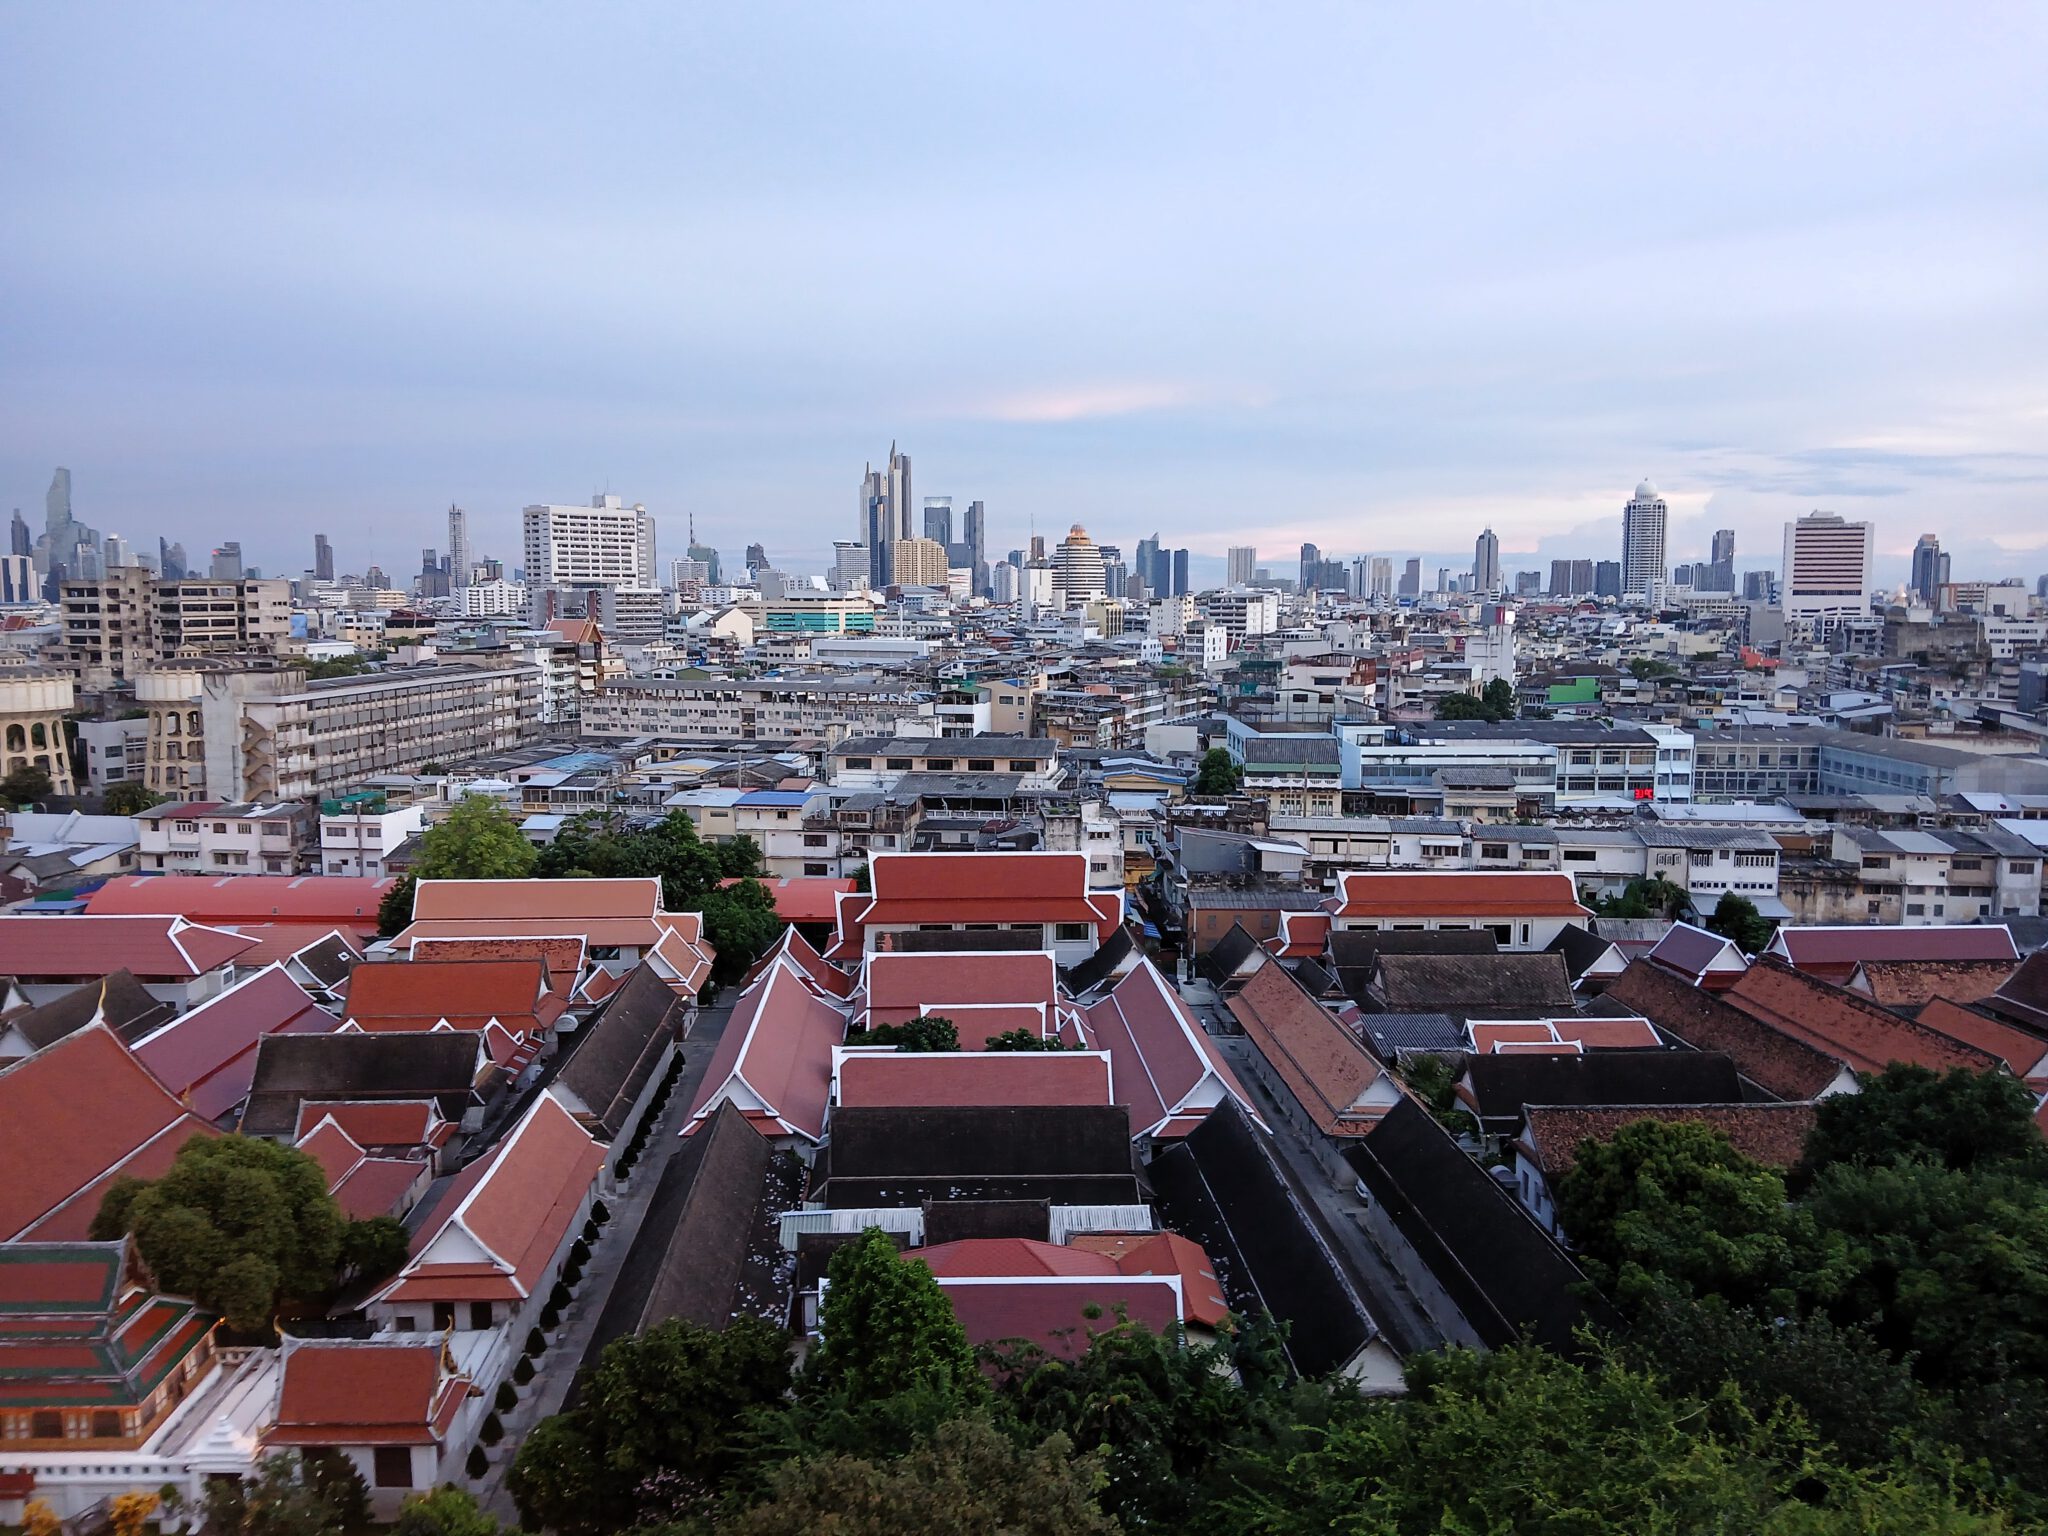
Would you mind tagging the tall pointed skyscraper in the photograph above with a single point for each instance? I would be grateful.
(885, 509)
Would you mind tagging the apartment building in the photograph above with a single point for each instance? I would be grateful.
(127, 620)
(204, 837)
(113, 750)
(1773, 762)
(880, 762)
(360, 832)
(762, 709)
(1556, 763)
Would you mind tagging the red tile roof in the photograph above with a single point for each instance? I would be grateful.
(517, 1203)
(1333, 1078)
(1845, 1024)
(466, 994)
(207, 1057)
(331, 901)
(970, 989)
(1167, 1070)
(2026, 1054)
(1060, 1313)
(977, 888)
(774, 1060)
(72, 1116)
(1166, 1253)
(380, 1122)
(805, 898)
(907, 1080)
(1774, 1134)
(1909, 983)
(625, 912)
(1835, 952)
(151, 948)
(365, 1392)
(1791, 1068)
(275, 942)
(563, 955)
(1419, 895)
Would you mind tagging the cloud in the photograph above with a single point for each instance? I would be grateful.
(1088, 402)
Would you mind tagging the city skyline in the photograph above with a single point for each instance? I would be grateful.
(503, 299)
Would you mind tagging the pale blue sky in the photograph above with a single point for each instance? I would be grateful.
(1363, 275)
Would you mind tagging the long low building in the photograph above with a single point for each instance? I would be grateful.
(765, 709)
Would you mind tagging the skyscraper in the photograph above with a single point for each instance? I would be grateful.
(1077, 573)
(1718, 574)
(701, 552)
(849, 566)
(1147, 565)
(974, 534)
(885, 513)
(1382, 578)
(459, 558)
(1240, 562)
(1827, 570)
(1311, 569)
(24, 544)
(757, 558)
(918, 563)
(323, 558)
(170, 560)
(227, 562)
(606, 544)
(57, 501)
(1724, 545)
(1930, 570)
(117, 553)
(1607, 578)
(1642, 541)
(938, 519)
(1486, 562)
(1180, 573)
(1411, 578)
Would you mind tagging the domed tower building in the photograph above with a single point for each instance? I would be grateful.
(1077, 570)
(1642, 542)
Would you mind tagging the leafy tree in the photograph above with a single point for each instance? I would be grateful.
(671, 1404)
(1674, 1202)
(237, 1223)
(1960, 1119)
(394, 912)
(968, 1479)
(38, 1519)
(374, 1248)
(1499, 698)
(926, 1032)
(25, 785)
(738, 857)
(354, 665)
(284, 1498)
(742, 924)
(1219, 774)
(1736, 917)
(129, 797)
(444, 1512)
(1023, 1040)
(1462, 706)
(479, 840)
(1654, 897)
(128, 1513)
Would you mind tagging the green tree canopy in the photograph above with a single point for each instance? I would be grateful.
(659, 1426)
(479, 840)
(374, 1248)
(1736, 917)
(1462, 706)
(25, 785)
(742, 924)
(1653, 897)
(289, 1495)
(1499, 698)
(926, 1032)
(1219, 774)
(129, 797)
(1960, 1119)
(1022, 1040)
(237, 1223)
(446, 1511)
(394, 912)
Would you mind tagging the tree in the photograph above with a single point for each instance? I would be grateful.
(741, 922)
(1674, 1202)
(282, 1499)
(1023, 1040)
(479, 840)
(1219, 774)
(394, 912)
(738, 857)
(1959, 1119)
(1462, 706)
(967, 1479)
(663, 1414)
(374, 1248)
(926, 1032)
(25, 785)
(128, 1513)
(237, 1223)
(129, 797)
(444, 1512)
(1736, 917)
(1499, 698)
(1654, 897)
(353, 665)
(38, 1519)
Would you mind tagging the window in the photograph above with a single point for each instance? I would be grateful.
(1493, 850)
(816, 869)
(45, 1425)
(1022, 765)
(860, 762)
(1916, 909)
(444, 1315)
(393, 1466)
(2022, 866)
(900, 762)
(405, 1322)
(1580, 855)
(1873, 907)
(981, 765)
(938, 764)
(1072, 932)
(106, 1425)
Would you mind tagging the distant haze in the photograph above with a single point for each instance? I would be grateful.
(1370, 276)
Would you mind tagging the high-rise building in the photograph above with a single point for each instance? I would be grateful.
(1930, 570)
(1827, 570)
(1411, 578)
(323, 558)
(1077, 569)
(1756, 586)
(1002, 586)
(459, 556)
(1717, 574)
(1607, 578)
(1486, 562)
(687, 573)
(974, 534)
(938, 519)
(227, 562)
(1724, 546)
(1181, 584)
(1240, 565)
(1153, 568)
(117, 552)
(703, 552)
(170, 560)
(1528, 583)
(885, 513)
(433, 577)
(1311, 569)
(849, 566)
(18, 582)
(757, 559)
(23, 542)
(1037, 542)
(606, 544)
(1642, 541)
(917, 563)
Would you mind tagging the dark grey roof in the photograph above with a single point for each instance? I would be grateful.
(1073, 1153)
(1475, 776)
(1504, 1272)
(1580, 949)
(615, 1053)
(1100, 966)
(438, 1064)
(1387, 1033)
(1502, 1085)
(1223, 1188)
(913, 942)
(1314, 978)
(688, 1254)
(948, 1221)
(1291, 749)
(118, 998)
(1228, 953)
(1224, 898)
(1473, 986)
(329, 960)
(1361, 947)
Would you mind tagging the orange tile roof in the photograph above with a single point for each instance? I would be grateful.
(1454, 894)
(380, 1122)
(805, 898)
(906, 1080)
(332, 901)
(207, 1055)
(1166, 1253)
(562, 954)
(415, 994)
(150, 948)
(1166, 1067)
(1847, 1024)
(364, 1392)
(2026, 1054)
(1325, 1067)
(775, 1056)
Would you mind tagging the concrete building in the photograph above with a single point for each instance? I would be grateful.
(1240, 564)
(1827, 570)
(359, 832)
(767, 710)
(885, 515)
(605, 544)
(33, 704)
(495, 600)
(917, 563)
(1642, 542)
(1077, 570)
(114, 751)
(1486, 563)
(205, 837)
(123, 622)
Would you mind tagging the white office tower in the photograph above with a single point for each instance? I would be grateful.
(1077, 569)
(1035, 586)
(1491, 651)
(606, 544)
(1486, 562)
(1239, 566)
(1382, 577)
(494, 600)
(687, 572)
(850, 566)
(1826, 576)
(1642, 542)
(1002, 579)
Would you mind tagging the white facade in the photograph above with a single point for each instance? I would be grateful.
(494, 600)
(204, 838)
(604, 544)
(1642, 542)
(1077, 570)
(358, 842)
(1827, 570)
(114, 751)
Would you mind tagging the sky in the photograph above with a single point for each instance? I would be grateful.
(1365, 275)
